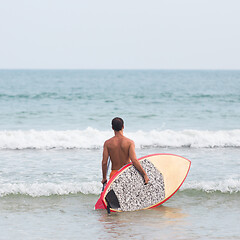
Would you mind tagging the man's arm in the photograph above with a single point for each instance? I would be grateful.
(104, 163)
(136, 163)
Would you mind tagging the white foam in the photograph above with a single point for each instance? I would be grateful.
(93, 138)
(48, 189)
(225, 186)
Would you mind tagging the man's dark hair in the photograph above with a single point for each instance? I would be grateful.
(117, 124)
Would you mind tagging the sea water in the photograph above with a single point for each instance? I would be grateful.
(53, 124)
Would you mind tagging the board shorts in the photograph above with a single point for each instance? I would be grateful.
(112, 173)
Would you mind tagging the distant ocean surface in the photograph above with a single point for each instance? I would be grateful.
(53, 124)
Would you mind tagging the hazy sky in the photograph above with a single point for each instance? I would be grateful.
(126, 34)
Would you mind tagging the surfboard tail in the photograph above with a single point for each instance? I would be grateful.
(99, 204)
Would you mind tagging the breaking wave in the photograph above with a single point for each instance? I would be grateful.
(223, 186)
(92, 138)
(48, 189)
(228, 186)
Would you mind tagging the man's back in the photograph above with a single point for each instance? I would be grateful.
(118, 149)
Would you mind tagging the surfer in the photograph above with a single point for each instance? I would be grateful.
(120, 150)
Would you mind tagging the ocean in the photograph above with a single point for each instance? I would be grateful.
(53, 124)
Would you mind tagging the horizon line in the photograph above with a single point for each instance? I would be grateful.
(120, 69)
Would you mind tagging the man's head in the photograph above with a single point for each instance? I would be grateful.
(117, 124)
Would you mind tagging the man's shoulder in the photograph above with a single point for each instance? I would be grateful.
(125, 140)
(108, 141)
(128, 141)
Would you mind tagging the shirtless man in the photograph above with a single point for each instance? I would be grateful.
(121, 150)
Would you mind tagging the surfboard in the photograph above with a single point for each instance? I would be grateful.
(126, 190)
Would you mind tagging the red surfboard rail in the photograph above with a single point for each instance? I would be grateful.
(100, 201)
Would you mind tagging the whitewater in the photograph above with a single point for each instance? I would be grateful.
(93, 138)
(227, 186)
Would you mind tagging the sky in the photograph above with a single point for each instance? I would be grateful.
(126, 34)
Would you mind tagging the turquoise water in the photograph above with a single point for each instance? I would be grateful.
(145, 99)
(52, 128)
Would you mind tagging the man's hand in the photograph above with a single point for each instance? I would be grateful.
(146, 179)
(104, 180)
(136, 163)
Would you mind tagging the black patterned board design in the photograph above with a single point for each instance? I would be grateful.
(128, 192)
